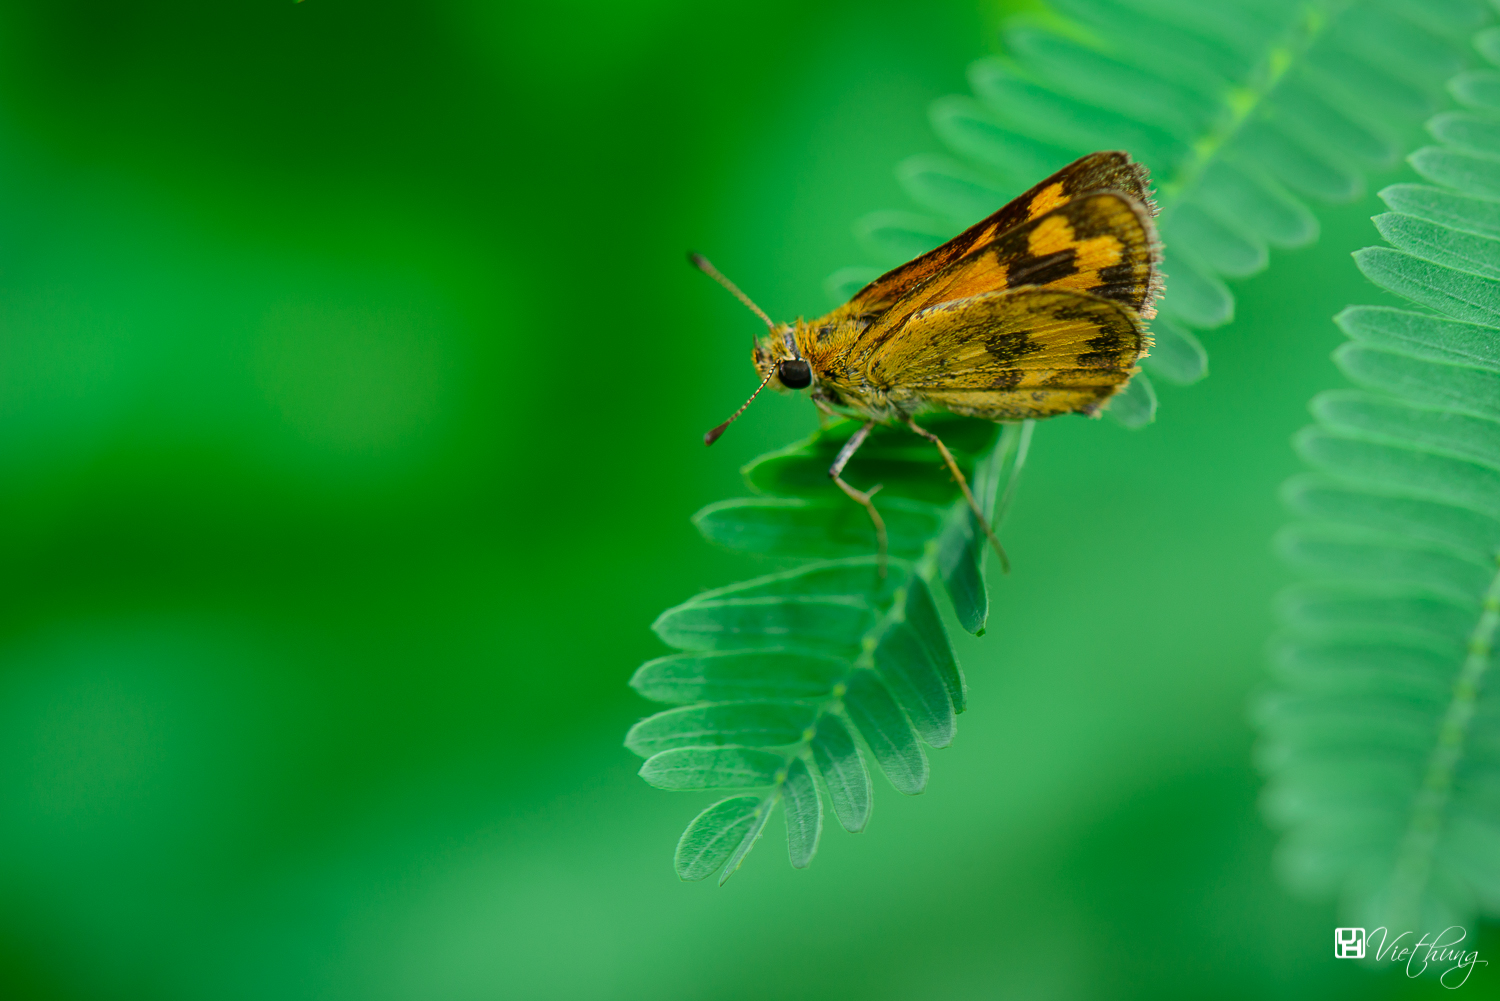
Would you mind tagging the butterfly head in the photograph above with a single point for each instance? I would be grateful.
(776, 355)
(778, 360)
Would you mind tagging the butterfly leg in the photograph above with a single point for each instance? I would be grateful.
(963, 484)
(861, 497)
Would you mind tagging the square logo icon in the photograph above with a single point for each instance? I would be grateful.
(1349, 943)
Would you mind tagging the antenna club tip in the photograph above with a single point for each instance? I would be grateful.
(696, 259)
(713, 436)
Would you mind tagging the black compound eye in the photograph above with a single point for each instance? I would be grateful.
(795, 374)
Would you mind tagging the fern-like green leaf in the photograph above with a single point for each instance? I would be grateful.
(1382, 739)
(805, 678)
(793, 685)
(1243, 109)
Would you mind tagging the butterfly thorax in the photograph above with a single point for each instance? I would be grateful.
(831, 348)
(836, 349)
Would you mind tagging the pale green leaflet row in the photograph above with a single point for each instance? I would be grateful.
(1382, 739)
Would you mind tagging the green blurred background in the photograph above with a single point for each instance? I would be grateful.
(351, 386)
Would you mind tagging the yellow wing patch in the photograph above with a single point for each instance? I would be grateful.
(1056, 235)
(1047, 199)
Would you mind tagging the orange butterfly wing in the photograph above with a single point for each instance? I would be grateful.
(1106, 171)
(1103, 243)
(1032, 312)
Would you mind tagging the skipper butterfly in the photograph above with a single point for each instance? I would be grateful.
(1036, 311)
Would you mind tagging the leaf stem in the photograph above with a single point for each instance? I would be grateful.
(1242, 102)
(1413, 869)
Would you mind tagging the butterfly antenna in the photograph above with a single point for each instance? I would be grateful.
(702, 264)
(713, 435)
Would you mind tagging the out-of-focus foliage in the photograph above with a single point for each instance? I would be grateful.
(350, 416)
(1383, 742)
(1243, 109)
